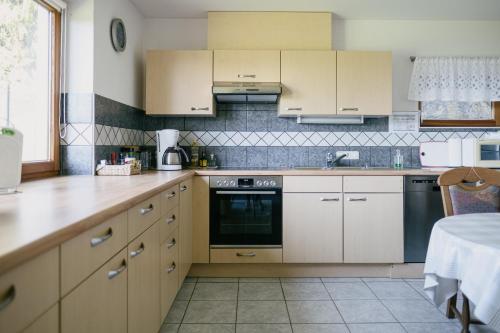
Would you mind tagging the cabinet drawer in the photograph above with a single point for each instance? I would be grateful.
(169, 275)
(29, 290)
(169, 223)
(85, 253)
(47, 323)
(323, 184)
(373, 184)
(238, 256)
(143, 215)
(169, 199)
(100, 303)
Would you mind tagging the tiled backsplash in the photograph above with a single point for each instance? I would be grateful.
(240, 135)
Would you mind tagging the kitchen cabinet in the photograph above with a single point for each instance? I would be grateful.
(144, 282)
(186, 229)
(169, 271)
(99, 304)
(246, 256)
(246, 66)
(179, 83)
(309, 81)
(47, 323)
(201, 194)
(312, 228)
(364, 83)
(143, 215)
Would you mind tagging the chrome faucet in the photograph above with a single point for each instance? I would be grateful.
(331, 163)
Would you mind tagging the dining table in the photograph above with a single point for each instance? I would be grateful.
(464, 254)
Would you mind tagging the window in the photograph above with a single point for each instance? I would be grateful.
(459, 114)
(29, 80)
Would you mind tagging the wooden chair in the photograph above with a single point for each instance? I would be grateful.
(464, 191)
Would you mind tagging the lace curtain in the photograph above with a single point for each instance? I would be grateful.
(464, 79)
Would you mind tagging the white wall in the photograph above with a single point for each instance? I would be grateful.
(118, 76)
(404, 38)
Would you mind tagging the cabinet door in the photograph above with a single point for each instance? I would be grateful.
(309, 80)
(364, 83)
(247, 66)
(47, 323)
(169, 275)
(312, 227)
(201, 193)
(99, 304)
(179, 83)
(144, 282)
(373, 227)
(186, 228)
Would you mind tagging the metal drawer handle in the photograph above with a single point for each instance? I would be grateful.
(249, 254)
(94, 241)
(293, 109)
(135, 253)
(241, 76)
(8, 298)
(357, 199)
(144, 211)
(329, 199)
(171, 268)
(115, 272)
(171, 220)
(193, 108)
(171, 244)
(171, 195)
(183, 188)
(348, 109)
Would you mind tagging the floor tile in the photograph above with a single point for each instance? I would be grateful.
(418, 285)
(415, 311)
(295, 279)
(211, 312)
(340, 279)
(377, 328)
(176, 312)
(380, 279)
(305, 291)
(393, 290)
(320, 328)
(364, 311)
(190, 279)
(215, 291)
(349, 290)
(207, 328)
(263, 328)
(169, 328)
(431, 327)
(260, 292)
(216, 279)
(481, 329)
(312, 312)
(266, 312)
(262, 279)
(186, 291)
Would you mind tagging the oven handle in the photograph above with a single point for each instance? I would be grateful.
(245, 192)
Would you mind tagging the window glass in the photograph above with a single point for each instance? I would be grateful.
(441, 110)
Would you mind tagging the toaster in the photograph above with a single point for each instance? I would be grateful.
(11, 146)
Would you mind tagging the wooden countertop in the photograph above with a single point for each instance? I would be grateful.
(51, 211)
(342, 171)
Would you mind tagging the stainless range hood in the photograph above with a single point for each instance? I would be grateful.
(246, 92)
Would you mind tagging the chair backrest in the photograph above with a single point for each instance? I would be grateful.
(470, 190)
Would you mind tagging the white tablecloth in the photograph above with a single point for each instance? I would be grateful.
(466, 248)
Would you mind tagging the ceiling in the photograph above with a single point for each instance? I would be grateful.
(346, 9)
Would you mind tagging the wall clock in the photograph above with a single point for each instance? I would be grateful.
(118, 35)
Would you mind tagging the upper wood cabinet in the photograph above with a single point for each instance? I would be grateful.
(364, 83)
(246, 66)
(186, 228)
(179, 82)
(309, 80)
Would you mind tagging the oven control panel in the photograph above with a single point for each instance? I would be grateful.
(246, 182)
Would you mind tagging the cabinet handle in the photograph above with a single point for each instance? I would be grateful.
(171, 220)
(348, 109)
(329, 199)
(183, 188)
(249, 254)
(94, 241)
(171, 268)
(357, 199)
(115, 272)
(8, 298)
(171, 195)
(241, 76)
(171, 244)
(293, 109)
(144, 211)
(194, 108)
(135, 253)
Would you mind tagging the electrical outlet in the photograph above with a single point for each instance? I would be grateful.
(351, 155)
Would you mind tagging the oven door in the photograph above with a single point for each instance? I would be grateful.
(245, 217)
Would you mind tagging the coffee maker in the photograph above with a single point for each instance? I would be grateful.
(168, 153)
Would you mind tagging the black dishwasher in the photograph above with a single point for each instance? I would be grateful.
(423, 207)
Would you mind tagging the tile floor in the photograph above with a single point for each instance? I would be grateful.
(307, 305)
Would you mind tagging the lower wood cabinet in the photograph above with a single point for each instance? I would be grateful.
(144, 282)
(99, 304)
(246, 256)
(169, 271)
(373, 227)
(47, 323)
(312, 228)
(186, 229)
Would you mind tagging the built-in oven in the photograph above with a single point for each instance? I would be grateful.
(246, 211)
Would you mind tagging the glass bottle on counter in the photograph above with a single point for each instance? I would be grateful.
(212, 162)
(195, 153)
(203, 159)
